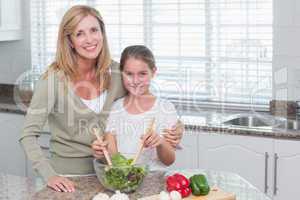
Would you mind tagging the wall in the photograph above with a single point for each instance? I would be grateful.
(15, 55)
(286, 48)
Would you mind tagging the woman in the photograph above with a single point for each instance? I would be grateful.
(74, 96)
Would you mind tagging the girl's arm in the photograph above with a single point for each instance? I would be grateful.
(173, 135)
(165, 151)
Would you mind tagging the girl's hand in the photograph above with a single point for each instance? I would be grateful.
(152, 139)
(174, 135)
(60, 184)
(98, 147)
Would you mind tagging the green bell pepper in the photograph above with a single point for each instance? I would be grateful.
(199, 185)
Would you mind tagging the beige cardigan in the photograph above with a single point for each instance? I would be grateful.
(70, 123)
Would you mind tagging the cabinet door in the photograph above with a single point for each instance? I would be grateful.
(187, 156)
(243, 155)
(10, 20)
(288, 165)
(11, 155)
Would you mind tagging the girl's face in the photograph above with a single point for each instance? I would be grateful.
(87, 39)
(137, 76)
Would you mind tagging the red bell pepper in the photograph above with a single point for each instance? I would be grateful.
(182, 180)
(185, 192)
(179, 183)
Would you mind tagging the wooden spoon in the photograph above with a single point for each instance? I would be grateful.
(105, 152)
(150, 128)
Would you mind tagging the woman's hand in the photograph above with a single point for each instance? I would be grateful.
(60, 184)
(174, 135)
(98, 147)
(152, 139)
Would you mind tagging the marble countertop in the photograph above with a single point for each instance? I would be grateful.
(11, 108)
(19, 188)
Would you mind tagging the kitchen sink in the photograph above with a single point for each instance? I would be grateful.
(289, 125)
(249, 121)
(261, 122)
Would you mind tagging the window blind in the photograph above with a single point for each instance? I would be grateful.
(208, 52)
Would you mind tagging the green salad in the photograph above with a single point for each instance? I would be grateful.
(123, 175)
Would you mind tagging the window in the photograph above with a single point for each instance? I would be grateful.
(208, 52)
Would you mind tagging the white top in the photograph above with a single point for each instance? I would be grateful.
(129, 128)
(97, 103)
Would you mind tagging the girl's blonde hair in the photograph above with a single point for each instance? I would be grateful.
(65, 60)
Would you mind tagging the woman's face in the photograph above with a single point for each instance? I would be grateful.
(87, 39)
(137, 76)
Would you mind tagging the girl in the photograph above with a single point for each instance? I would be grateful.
(132, 115)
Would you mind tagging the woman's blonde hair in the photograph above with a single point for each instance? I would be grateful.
(65, 60)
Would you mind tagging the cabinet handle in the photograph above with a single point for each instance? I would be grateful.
(266, 171)
(44, 147)
(0, 15)
(275, 173)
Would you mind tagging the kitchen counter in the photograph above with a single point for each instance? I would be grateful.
(11, 108)
(19, 188)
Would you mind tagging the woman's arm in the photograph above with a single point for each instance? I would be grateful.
(111, 140)
(41, 105)
(109, 143)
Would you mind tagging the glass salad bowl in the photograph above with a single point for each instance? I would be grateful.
(121, 176)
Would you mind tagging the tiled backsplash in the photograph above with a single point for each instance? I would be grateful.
(6, 93)
(286, 109)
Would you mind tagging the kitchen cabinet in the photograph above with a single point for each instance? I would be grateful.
(286, 162)
(187, 156)
(247, 156)
(10, 20)
(272, 165)
(11, 155)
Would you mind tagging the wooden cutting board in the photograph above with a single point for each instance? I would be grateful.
(214, 194)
